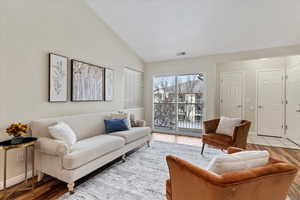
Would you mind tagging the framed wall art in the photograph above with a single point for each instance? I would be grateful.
(87, 81)
(58, 78)
(109, 87)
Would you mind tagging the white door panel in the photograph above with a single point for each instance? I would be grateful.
(231, 94)
(270, 105)
(293, 106)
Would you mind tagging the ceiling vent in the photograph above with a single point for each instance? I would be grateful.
(183, 53)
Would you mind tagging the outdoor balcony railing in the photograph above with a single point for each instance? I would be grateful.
(178, 116)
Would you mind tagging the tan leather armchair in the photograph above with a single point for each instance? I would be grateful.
(189, 182)
(239, 138)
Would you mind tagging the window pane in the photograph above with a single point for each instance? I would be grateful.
(134, 88)
(164, 96)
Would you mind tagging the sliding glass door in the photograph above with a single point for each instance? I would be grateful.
(178, 103)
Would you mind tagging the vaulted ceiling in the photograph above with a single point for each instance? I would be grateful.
(158, 29)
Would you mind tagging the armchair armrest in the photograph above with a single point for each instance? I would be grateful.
(140, 123)
(231, 150)
(240, 134)
(188, 181)
(210, 126)
(52, 147)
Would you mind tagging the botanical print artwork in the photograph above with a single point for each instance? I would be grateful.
(58, 79)
(87, 82)
(109, 79)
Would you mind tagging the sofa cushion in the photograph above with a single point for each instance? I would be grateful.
(122, 115)
(114, 125)
(133, 134)
(90, 149)
(62, 131)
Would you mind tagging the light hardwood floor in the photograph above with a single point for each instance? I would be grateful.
(50, 188)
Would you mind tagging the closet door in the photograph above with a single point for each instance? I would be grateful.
(270, 102)
(231, 94)
(293, 106)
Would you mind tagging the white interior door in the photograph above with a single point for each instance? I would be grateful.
(270, 104)
(293, 106)
(231, 94)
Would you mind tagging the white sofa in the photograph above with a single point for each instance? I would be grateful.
(93, 149)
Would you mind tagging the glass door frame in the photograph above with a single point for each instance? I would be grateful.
(204, 113)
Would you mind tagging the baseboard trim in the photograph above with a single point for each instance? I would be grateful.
(252, 133)
(15, 180)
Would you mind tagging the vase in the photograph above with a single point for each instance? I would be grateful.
(17, 140)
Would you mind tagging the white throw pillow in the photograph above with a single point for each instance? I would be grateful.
(62, 131)
(226, 125)
(238, 161)
(122, 115)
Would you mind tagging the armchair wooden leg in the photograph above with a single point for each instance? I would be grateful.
(148, 143)
(71, 188)
(203, 145)
(124, 158)
(40, 176)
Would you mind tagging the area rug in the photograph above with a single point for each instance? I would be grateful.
(142, 176)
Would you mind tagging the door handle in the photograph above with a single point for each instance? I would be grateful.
(239, 106)
(297, 110)
(259, 106)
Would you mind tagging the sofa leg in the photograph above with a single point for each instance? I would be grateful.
(148, 143)
(71, 188)
(203, 145)
(124, 158)
(40, 176)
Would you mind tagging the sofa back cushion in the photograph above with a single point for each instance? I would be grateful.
(84, 126)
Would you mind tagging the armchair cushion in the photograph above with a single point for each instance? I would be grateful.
(52, 147)
(226, 125)
(238, 161)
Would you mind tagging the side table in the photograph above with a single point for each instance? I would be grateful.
(26, 143)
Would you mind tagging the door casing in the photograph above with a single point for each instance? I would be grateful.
(288, 133)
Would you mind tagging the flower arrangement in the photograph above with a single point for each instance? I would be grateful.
(17, 129)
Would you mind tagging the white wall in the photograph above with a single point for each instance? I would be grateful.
(212, 66)
(249, 68)
(30, 29)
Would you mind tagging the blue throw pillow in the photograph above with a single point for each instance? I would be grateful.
(115, 125)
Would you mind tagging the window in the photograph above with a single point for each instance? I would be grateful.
(134, 88)
(178, 103)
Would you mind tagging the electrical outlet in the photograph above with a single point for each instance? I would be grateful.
(20, 156)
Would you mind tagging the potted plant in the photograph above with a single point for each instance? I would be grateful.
(17, 130)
